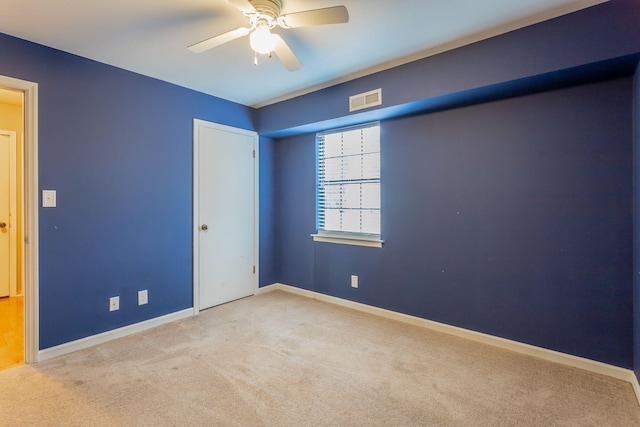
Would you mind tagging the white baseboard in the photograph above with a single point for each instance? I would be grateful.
(87, 342)
(635, 385)
(518, 347)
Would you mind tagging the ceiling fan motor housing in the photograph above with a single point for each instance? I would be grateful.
(267, 9)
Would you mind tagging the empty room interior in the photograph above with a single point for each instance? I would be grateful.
(287, 212)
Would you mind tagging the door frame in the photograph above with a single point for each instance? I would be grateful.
(30, 212)
(197, 123)
(13, 237)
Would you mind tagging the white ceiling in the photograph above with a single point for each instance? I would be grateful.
(150, 37)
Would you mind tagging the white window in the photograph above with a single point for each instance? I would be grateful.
(348, 185)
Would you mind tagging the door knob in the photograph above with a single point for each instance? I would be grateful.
(203, 227)
(3, 224)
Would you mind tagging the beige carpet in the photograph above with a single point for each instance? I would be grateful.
(283, 360)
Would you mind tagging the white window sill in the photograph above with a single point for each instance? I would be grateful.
(348, 240)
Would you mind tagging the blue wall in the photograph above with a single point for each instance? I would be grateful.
(636, 221)
(565, 44)
(512, 218)
(507, 186)
(117, 147)
(267, 250)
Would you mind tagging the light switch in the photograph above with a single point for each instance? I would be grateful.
(48, 198)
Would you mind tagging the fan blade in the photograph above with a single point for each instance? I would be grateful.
(286, 55)
(329, 15)
(243, 6)
(212, 42)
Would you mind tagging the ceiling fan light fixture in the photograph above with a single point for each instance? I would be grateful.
(263, 15)
(261, 40)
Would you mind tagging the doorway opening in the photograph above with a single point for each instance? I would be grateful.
(18, 222)
(11, 229)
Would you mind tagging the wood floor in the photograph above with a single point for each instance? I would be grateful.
(11, 332)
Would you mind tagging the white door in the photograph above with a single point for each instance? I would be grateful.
(7, 139)
(224, 214)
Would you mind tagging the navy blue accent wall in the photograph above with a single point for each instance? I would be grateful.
(507, 186)
(117, 147)
(512, 218)
(267, 212)
(603, 32)
(636, 222)
(295, 206)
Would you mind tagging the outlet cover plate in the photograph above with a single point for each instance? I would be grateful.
(143, 297)
(114, 303)
(48, 198)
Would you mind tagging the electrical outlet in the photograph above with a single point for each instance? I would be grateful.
(143, 297)
(354, 281)
(114, 303)
(48, 198)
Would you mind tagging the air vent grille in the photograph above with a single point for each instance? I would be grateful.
(365, 100)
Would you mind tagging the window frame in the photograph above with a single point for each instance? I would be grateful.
(336, 236)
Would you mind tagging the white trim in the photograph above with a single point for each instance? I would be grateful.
(636, 387)
(196, 220)
(30, 224)
(355, 241)
(197, 123)
(104, 337)
(518, 347)
(256, 212)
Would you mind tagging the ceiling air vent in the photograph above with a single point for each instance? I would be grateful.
(365, 100)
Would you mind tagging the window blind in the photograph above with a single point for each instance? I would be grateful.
(348, 180)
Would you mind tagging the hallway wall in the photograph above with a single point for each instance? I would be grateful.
(12, 118)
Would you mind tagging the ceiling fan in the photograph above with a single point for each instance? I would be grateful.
(263, 16)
